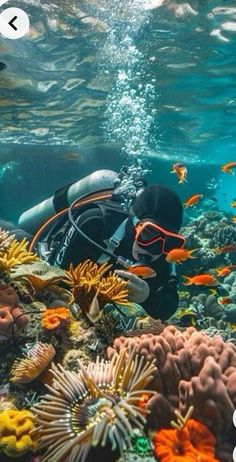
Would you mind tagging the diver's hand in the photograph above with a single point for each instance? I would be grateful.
(138, 289)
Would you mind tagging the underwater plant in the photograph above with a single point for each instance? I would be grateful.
(16, 432)
(96, 407)
(55, 317)
(36, 364)
(15, 255)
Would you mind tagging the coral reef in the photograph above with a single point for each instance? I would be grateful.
(193, 369)
(16, 432)
(224, 236)
(98, 407)
(38, 362)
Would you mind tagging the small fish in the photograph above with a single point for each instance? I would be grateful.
(233, 219)
(225, 300)
(142, 271)
(233, 204)
(179, 255)
(225, 249)
(200, 280)
(181, 171)
(222, 272)
(93, 312)
(193, 200)
(227, 168)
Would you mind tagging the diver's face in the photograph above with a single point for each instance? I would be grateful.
(137, 251)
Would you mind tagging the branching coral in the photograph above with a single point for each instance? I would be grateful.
(96, 407)
(15, 432)
(55, 317)
(5, 240)
(15, 255)
(38, 362)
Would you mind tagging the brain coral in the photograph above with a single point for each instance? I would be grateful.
(15, 428)
(192, 369)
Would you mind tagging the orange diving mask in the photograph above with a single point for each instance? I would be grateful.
(156, 239)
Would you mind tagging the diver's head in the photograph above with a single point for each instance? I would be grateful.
(158, 218)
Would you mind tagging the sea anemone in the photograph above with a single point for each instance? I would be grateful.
(15, 255)
(96, 407)
(16, 432)
(86, 275)
(36, 364)
(55, 317)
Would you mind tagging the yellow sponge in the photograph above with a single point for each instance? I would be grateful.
(15, 428)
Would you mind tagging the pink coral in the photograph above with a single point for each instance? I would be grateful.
(192, 369)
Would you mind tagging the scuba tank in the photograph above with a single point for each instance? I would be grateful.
(32, 219)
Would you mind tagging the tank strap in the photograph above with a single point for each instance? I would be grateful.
(114, 242)
(60, 198)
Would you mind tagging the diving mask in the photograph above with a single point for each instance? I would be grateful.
(155, 238)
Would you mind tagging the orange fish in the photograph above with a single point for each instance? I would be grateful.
(225, 249)
(233, 219)
(227, 168)
(179, 255)
(142, 271)
(193, 200)
(200, 280)
(233, 204)
(222, 272)
(225, 300)
(181, 172)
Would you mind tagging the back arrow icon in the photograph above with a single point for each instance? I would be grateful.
(11, 23)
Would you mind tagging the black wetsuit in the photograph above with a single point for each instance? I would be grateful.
(99, 223)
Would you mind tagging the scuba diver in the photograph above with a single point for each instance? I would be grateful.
(135, 242)
(95, 226)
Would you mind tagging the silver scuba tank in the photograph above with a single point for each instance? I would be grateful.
(32, 219)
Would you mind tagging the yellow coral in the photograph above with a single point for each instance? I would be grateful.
(15, 432)
(114, 289)
(86, 275)
(15, 255)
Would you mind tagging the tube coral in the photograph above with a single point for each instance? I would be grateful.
(28, 369)
(15, 432)
(96, 407)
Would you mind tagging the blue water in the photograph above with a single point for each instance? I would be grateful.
(97, 83)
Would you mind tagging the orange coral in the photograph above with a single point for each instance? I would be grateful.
(194, 442)
(55, 317)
